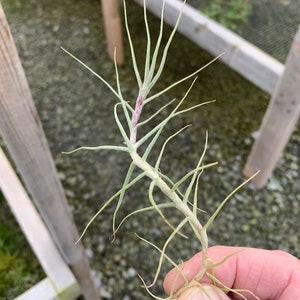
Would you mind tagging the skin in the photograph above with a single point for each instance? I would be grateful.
(269, 274)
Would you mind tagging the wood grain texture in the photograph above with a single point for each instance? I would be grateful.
(59, 274)
(25, 140)
(279, 121)
(113, 29)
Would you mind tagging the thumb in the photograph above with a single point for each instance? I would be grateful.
(205, 292)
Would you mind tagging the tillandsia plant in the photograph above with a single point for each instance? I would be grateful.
(184, 201)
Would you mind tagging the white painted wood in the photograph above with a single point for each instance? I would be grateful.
(248, 60)
(42, 290)
(45, 290)
(60, 276)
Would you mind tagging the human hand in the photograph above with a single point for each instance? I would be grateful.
(268, 274)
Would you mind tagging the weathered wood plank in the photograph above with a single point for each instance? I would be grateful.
(248, 60)
(37, 235)
(24, 137)
(32, 225)
(113, 29)
(279, 121)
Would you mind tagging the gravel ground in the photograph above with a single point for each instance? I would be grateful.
(76, 109)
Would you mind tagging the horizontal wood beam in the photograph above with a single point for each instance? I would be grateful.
(249, 61)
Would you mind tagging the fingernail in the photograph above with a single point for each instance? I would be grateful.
(204, 293)
(193, 293)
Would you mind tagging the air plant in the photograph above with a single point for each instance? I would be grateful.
(184, 201)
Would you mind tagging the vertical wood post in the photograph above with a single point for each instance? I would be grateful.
(23, 135)
(113, 29)
(279, 121)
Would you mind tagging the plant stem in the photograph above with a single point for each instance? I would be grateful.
(137, 114)
(173, 196)
(152, 173)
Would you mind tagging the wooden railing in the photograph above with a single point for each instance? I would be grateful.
(25, 140)
(280, 81)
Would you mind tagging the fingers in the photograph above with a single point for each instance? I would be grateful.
(174, 281)
(208, 292)
(268, 274)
